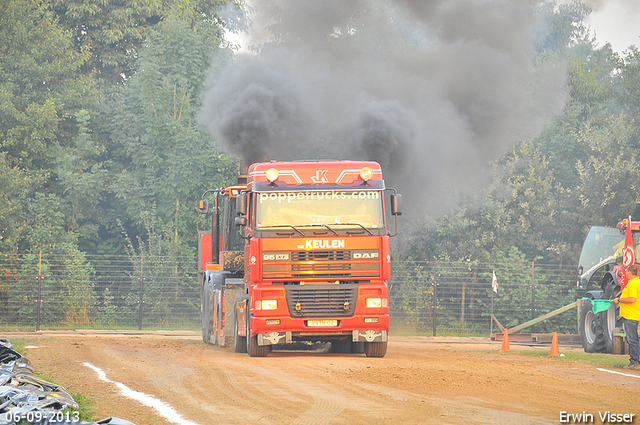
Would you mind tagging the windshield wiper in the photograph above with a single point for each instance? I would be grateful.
(285, 226)
(354, 224)
(324, 225)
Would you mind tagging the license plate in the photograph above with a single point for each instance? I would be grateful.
(322, 323)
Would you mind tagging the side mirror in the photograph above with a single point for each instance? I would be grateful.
(396, 204)
(203, 207)
(241, 204)
(240, 221)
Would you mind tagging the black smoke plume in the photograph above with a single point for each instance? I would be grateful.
(433, 90)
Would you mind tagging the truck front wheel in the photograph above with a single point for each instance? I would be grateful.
(592, 329)
(375, 349)
(253, 348)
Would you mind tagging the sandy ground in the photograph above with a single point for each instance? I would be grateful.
(421, 380)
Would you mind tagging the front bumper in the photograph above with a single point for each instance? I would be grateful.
(291, 329)
(368, 335)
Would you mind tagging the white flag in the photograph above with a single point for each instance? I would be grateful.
(494, 283)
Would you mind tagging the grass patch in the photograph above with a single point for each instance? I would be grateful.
(456, 329)
(87, 409)
(598, 359)
(18, 345)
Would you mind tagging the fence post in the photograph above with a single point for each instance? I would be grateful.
(533, 290)
(39, 300)
(435, 298)
(141, 291)
(464, 300)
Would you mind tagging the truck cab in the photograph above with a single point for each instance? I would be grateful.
(315, 259)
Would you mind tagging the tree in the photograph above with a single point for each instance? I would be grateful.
(610, 177)
(16, 186)
(81, 177)
(167, 160)
(115, 31)
(560, 26)
(536, 202)
(40, 87)
(628, 80)
(40, 94)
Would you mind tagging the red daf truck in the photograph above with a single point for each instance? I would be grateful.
(298, 252)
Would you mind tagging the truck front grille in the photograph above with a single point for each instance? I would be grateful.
(322, 300)
(321, 255)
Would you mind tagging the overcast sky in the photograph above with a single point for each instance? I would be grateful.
(613, 21)
(616, 22)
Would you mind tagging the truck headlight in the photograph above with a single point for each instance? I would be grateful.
(374, 302)
(272, 174)
(266, 304)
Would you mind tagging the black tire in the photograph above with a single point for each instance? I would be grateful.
(239, 342)
(609, 325)
(375, 349)
(341, 346)
(253, 349)
(610, 289)
(217, 313)
(601, 338)
(207, 314)
(592, 329)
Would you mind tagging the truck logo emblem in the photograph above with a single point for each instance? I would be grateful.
(320, 177)
(323, 244)
(367, 255)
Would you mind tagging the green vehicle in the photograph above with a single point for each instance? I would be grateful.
(600, 276)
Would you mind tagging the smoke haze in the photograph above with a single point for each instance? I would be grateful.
(433, 90)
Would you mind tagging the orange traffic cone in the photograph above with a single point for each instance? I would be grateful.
(505, 340)
(555, 351)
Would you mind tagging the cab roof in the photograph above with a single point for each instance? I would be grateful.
(305, 173)
(635, 225)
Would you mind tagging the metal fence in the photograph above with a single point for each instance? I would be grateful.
(100, 292)
(120, 292)
(456, 298)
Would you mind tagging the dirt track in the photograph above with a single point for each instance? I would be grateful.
(421, 380)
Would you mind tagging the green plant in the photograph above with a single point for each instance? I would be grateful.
(87, 409)
(605, 360)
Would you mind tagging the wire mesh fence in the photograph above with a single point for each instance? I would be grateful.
(124, 292)
(456, 298)
(101, 292)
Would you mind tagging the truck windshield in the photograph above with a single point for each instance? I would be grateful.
(604, 245)
(320, 208)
